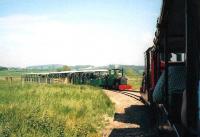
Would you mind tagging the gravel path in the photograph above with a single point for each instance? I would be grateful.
(132, 118)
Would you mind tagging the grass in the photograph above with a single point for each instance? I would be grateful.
(7, 73)
(34, 110)
(18, 73)
(135, 82)
(134, 78)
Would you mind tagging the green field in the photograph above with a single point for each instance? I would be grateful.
(6, 73)
(16, 73)
(36, 110)
(135, 82)
(134, 78)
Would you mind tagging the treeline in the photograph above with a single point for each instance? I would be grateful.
(3, 68)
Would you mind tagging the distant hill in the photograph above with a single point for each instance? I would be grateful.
(3, 68)
(134, 68)
(138, 69)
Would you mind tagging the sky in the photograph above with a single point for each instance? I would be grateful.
(76, 32)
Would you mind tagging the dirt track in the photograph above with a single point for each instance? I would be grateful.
(131, 119)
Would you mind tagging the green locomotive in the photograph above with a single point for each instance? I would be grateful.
(109, 79)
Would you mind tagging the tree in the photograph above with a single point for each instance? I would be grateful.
(64, 68)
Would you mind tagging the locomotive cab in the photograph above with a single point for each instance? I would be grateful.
(116, 78)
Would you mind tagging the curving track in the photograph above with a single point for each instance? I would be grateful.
(132, 94)
(132, 118)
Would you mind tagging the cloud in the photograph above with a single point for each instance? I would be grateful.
(30, 40)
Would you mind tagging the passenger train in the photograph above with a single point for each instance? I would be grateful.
(106, 78)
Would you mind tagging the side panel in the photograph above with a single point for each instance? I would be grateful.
(193, 64)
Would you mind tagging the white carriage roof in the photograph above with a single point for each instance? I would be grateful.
(69, 72)
(42, 73)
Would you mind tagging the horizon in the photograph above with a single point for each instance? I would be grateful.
(40, 65)
(75, 32)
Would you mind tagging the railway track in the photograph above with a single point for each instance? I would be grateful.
(131, 94)
(132, 117)
(144, 116)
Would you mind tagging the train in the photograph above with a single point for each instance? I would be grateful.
(105, 78)
(171, 78)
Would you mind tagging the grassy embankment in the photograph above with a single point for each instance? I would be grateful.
(135, 82)
(35, 110)
(134, 78)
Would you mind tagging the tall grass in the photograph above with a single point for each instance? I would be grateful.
(135, 82)
(134, 78)
(35, 110)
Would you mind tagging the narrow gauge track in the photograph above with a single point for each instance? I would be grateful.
(132, 117)
(131, 94)
(145, 116)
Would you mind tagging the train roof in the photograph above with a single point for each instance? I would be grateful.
(69, 72)
(42, 73)
(80, 71)
(171, 23)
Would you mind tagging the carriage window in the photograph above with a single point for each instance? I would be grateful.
(175, 57)
(112, 72)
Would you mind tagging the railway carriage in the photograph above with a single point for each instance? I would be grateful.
(171, 81)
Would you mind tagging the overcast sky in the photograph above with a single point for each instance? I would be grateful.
(76, 32)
